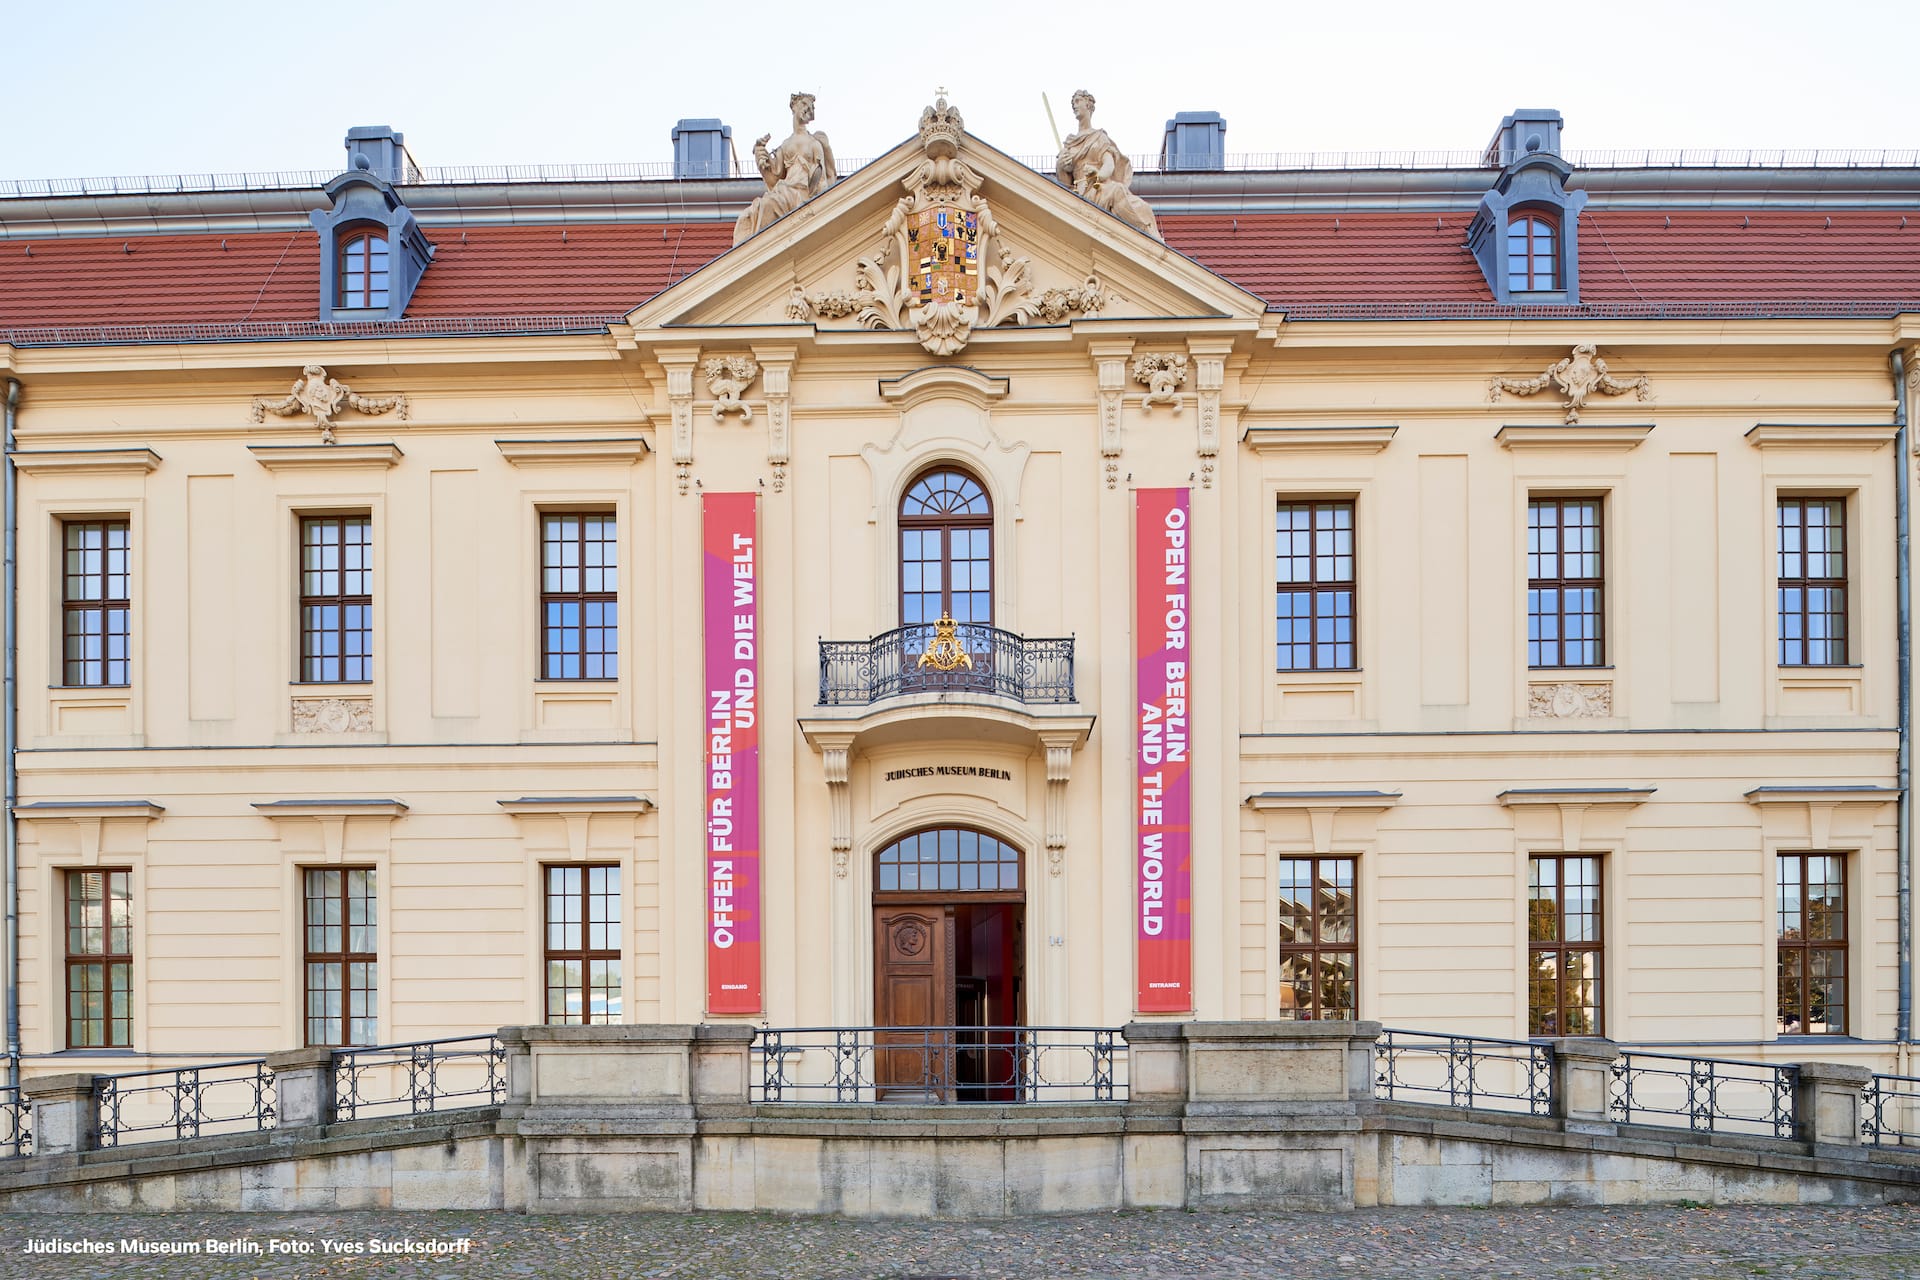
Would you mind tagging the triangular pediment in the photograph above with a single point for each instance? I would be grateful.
(1071, 259)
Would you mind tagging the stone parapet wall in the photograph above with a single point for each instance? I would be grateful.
(1275, 1117)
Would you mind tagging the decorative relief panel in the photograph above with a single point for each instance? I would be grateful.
(333, 715)
(1568, 700)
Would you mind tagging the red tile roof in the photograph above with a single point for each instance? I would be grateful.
(1312, 263)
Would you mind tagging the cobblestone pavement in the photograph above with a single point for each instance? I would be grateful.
(1405, 1244)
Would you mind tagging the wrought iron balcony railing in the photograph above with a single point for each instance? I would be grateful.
(945, 657)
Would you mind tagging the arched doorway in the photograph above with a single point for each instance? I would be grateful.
(949, 913)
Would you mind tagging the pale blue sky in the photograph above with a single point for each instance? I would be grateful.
(96, 88)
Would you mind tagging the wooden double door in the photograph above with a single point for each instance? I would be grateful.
(949, 996)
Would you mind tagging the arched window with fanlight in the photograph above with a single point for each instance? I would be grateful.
(1533, 256)
(946, 549)
(364, 274)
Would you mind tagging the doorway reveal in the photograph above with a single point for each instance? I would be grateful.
(949, 914)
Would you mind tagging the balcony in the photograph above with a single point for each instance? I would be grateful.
(946, 657)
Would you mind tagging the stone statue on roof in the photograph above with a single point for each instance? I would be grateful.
(1099, 171)
(795, 172)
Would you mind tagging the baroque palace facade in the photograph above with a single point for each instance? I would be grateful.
(948, 592)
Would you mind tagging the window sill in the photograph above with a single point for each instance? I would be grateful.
(1815, 668)
(1569, 673)
(344, 686)
(82, 690)
(557, 684)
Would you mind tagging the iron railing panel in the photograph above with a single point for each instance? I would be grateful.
(16, 1123)
(1890, 1111)
(186, 1102)
(417, 1078)
(1706, 1095)
(859, 672)
(937, 1065)
(1464, 1071)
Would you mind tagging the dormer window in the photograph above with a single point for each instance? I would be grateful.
(1524, 235)
(372, 250)
(1532, 258)
(364, 273)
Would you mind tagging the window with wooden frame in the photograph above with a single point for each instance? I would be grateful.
(1811, 545)
(364, 276)
(1810, 909)
(1319, 939)
(946, 549)
(1533, 257)
(1564, 946)
(99, 916)
(1566, 583)
(336, 599)
(579, 596)
(342, 956)
(97, 622)
(582, 950)
(1313, 586)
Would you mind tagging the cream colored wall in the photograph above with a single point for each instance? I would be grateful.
(1438, 714)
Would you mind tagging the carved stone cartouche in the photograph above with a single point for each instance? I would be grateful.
(1576, 377)
(315, 393)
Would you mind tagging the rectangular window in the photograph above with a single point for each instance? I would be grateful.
(1319, 956)
(336, 599)
(99, 959)
(1313, 586)
(95, 592)
(1812, 571)
(579, 608)
(583, 944)
(1811, 909)
(1566, 586)
(342, 960)
(1564, 946)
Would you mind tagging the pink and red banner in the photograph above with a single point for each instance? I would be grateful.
(1163, 797)
(732, 566)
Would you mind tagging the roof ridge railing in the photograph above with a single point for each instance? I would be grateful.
(1149, 163)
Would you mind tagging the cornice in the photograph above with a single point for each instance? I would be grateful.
(1798, 435)
(1842, 795)
(1269, 801)
(331, 808)
(962, 381)
(67, 462)
(548, 805)
(1592, 438)
(1272, 440)
(325, 457)
(82, 810)
(1592, 797)
(622, 449)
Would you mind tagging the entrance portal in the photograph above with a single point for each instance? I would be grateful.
(949, 959)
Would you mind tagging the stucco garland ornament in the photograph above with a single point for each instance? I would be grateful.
(1162, 374)
(323, 397)
(1577, 376)
(940, 268)
(727, 377)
